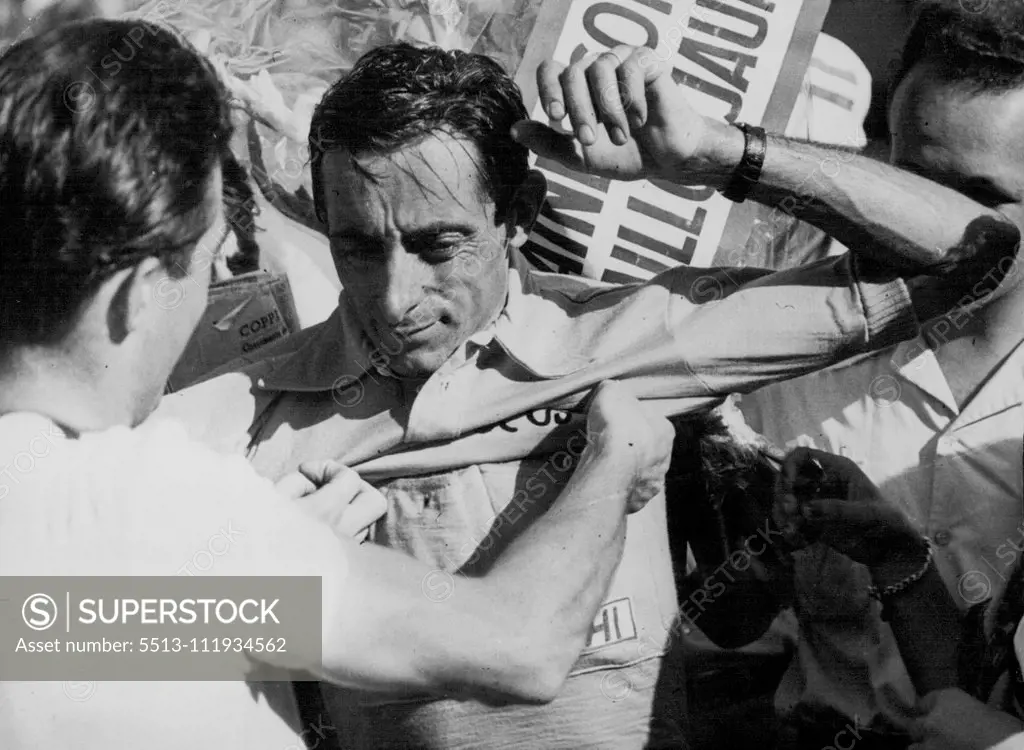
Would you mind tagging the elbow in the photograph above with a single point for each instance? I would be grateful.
(545, 692)
(533, 676)
(988, 245)
(540, 688)
(536, 682)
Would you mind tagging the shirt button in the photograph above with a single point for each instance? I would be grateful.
(942, 538)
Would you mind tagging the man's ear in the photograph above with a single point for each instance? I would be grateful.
(526, 207)
(133, 294)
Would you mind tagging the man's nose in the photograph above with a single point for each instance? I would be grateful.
(405, 277)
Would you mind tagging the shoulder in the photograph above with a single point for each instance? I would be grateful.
(180, 503)
(219, 411)
(216, 412)
(149, 501)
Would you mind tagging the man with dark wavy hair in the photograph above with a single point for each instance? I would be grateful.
(452, 375)
(934, 422)
(111, 217)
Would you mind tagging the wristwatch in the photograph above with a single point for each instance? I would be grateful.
(748, 173)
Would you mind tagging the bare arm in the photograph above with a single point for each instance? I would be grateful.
(511, 635)
(394, 624)
(885, 214)
(632, 121)
(891, 218)
(926, 623)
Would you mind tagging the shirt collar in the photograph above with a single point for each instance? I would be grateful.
(915, 362)
(533, 329)
(336, 353)
(1003, 389)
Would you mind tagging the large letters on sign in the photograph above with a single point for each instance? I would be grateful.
(741, 60)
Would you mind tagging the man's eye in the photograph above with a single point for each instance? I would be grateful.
(440, 253)
(440, 249)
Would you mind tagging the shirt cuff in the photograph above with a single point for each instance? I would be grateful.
(888, 309)
(1014, 742)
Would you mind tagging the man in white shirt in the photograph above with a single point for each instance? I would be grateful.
(935, 422)
(110, 183)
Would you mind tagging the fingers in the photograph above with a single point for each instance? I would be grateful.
(611, 405)
(810, 471)
(848, 527)
(344, 501)
(603, 82)
(810, 461)
(550, 90)
(366, 509)
(828, 510)
(334, 479)
(632, 88)
(548, 143)
(294, 486)
(609, 89)
(578, 103)
(322, 472)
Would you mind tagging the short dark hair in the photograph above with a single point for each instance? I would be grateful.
(981, 48)
(397, 94)
(109, 133)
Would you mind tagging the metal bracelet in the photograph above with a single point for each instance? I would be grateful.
(893, 589)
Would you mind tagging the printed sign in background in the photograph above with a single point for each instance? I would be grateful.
(743, 60)
(244, 314)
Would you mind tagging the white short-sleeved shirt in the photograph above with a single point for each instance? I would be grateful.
(146, 501)
(955, 472)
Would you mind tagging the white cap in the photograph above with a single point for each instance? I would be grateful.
(835, 97)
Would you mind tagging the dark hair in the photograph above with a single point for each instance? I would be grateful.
(398, 93)
(981, 49)
(109, 132)
(719, 494)
(241, 211)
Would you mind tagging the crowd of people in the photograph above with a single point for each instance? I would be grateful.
(833, 452)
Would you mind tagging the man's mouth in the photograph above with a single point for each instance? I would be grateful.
(407, 333)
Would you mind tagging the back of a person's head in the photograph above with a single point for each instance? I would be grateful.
(977, 44)
(397, 94)
(109, 133)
